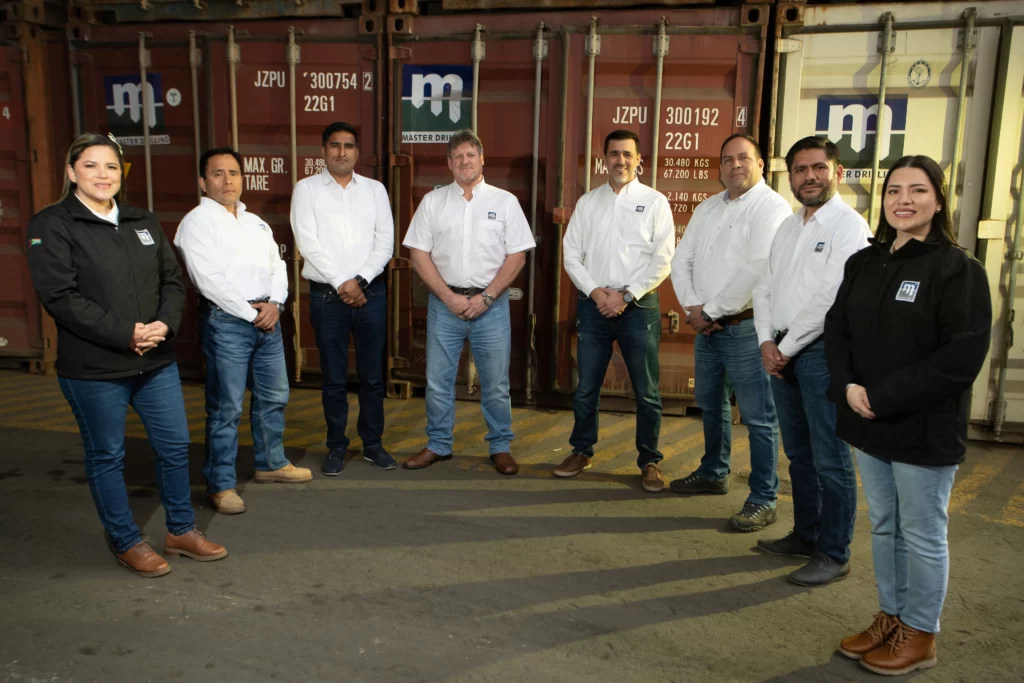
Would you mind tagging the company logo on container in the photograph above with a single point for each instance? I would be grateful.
(124, 102)
(436, 102)
(852, 124)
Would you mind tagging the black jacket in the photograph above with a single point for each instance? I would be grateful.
(97, 282)
(913, 329)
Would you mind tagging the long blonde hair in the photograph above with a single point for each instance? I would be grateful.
(82, 143)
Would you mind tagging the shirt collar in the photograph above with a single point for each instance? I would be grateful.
(109, 218)
(746, 195)
(627, 188)
(327, 178)
(826, 210)
(457, 189)
(213, 205)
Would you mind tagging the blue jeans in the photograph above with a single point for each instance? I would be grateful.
(731, 359)
(490, 339)
(638, 331)
(333, 321)
(240, 356)
(100, 407)
(908, 506)
(820, 463)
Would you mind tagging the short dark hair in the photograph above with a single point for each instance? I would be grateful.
(942, 222)
(744, 136)
(622, 135)
(204, 160)
(464, 137)
(338, 127)
(813, 142)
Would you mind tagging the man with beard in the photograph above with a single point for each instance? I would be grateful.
(468, 241)
(722, 255)
(805, 269)
(618, 250)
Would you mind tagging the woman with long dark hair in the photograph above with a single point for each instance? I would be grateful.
(905, 340)
(109, 278)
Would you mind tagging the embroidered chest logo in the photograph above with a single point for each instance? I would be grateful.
(144, 237)
(640, 209)
(819, 247)
(907, 291)
(491, 216)
(266, 228)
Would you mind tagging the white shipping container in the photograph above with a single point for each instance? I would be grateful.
(833, 66)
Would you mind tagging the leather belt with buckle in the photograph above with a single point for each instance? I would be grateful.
(467, 291)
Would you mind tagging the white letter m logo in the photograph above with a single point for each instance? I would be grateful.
(436, 82)
(129, 96)
(859, 128)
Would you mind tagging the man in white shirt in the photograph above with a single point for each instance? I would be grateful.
(235, 264)
(721, 257)
(805, 269)
(344, 231)
(468, 242)
(618, 249)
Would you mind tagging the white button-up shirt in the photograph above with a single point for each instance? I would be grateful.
(724, 250)
(804, 272)
(231, 260)
(113, 217)
(342, 232)
(469, 241)
(623, 240)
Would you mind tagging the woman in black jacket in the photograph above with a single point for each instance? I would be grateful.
(108, 276)
(905, 340)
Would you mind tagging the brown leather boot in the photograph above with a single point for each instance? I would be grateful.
(858, 645)
(193, 544)
(424, 458)
(906, 650)
(144, 561)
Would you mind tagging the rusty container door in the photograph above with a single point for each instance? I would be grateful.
(190, 70)
(20, 331)
(712, 62)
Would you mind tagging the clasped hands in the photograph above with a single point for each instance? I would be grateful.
(466, 307)
(699, 324)
(146, 337)
(610, 302)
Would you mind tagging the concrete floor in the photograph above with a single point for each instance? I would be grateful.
(458, 574)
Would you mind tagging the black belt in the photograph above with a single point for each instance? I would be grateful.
(203, 301)
(737, 318)
(467, 291)
(326, 287)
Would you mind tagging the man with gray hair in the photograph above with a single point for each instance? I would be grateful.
(468, 242)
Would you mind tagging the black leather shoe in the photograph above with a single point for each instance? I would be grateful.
(334, 463)
(791, 544)
(820, 570)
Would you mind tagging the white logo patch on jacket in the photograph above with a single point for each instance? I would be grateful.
(907, 291)
(145, 237)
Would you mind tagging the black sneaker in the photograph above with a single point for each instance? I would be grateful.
(379, 457)
(695, 483)
(334, 463)
(820, 570)
(754, 517)
(790, 545)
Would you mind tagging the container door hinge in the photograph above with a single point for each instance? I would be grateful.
(787, 45)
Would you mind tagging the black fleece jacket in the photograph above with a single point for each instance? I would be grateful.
(913, 329)
(97, 281)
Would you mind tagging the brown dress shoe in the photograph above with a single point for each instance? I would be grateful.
(858, 645)
(228, 502)
(651, 479)
(144, 561)
(906, 650)
(193, 544)
(504, 463)
(289, 474)
(573, 465)
(424, 458)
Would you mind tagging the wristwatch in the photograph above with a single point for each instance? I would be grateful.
(627, 296)
(705, 317)
(361, 281)
(280, 306)
(488, 299)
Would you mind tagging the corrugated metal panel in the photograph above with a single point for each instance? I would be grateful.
(335, 79)
(20, 333)
(711, 88)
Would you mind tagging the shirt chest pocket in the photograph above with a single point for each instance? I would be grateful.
(491, 232)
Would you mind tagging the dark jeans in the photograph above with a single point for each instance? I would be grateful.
(333, 321)
(241, 356)
(820, 463)
(100, 407)
(638, 332)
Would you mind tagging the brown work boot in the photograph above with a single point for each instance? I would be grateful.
(504, 463)
(193, 544)
(289, 474)
(573, 465)
(905, 650)
(143, 560)
(424, 458)
(858, 645)
(228, 502)
(651, 479)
